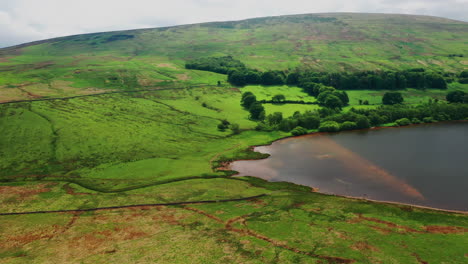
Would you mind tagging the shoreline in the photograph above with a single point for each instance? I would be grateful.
(317, 190)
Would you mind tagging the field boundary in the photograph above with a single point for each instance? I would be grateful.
(135, 206)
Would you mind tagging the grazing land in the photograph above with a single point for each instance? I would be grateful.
(116, 120)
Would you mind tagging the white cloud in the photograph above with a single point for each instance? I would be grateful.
(28, 20)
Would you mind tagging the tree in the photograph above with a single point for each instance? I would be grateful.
(455, 97)
(403, 122)
(348, 125)
(391, 98)
(298, 131)
(279, 98)
(257, 111)
(237, 78)
(309, 121)
(248, 100)
(333, 102)
(329, 126)
(362, 122)
(272, 78)
(275, 118)
(235, 129)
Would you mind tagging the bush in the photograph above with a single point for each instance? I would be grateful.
(362, 122)
(298, 131)
(429, 119)
(392, 98)
(416, 121)
(329, 126)
(348, 125)
(403, 122)
(235, 129)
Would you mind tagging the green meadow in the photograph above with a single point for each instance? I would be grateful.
(111, 123)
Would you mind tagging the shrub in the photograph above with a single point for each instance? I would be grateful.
(415, 121)
(362, 122)
(403, 122)
(298, 131)
(429, 119)
(392, 98)
(329, 126)
(348, 125)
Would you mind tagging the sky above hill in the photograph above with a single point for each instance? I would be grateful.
(29, 20)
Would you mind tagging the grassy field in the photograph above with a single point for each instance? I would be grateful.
(140, 129)
(160, 147)
(153, 58)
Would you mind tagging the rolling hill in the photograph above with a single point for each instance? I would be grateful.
(150, 58)
(111, 151)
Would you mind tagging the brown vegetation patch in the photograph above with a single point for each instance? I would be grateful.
(446, 229)
(217, 219)
(24, 192)
(390, 225)
(362, 246)
(71, 191)
(167, 65)
(419, 259)
(183, 77)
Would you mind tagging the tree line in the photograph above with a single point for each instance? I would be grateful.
(240, 75)
(328, 119)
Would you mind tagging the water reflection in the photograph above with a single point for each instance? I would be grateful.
(402, 165)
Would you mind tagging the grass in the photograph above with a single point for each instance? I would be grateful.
(158, 144)
(161, 147)
(156, 57)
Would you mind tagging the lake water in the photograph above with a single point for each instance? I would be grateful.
(423, 165)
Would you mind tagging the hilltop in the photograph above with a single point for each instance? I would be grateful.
(149, 58)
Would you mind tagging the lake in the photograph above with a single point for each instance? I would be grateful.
(423, 165)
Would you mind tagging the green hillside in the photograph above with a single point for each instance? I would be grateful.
(111, 150)
(155, 57)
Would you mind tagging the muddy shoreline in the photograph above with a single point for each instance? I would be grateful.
(227, 166)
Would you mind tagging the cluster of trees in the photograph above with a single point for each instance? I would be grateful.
(392, 98)
(457, 97)
(298, 124)
(235, 128)
(256, 109)
(372, 80)
(332, 120)
(241, 77)
(222, 65)
(326, 95)
(463, 77)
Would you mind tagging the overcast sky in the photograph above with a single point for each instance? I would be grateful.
(28, 20)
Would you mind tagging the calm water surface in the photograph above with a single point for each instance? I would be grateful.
(424, 165)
